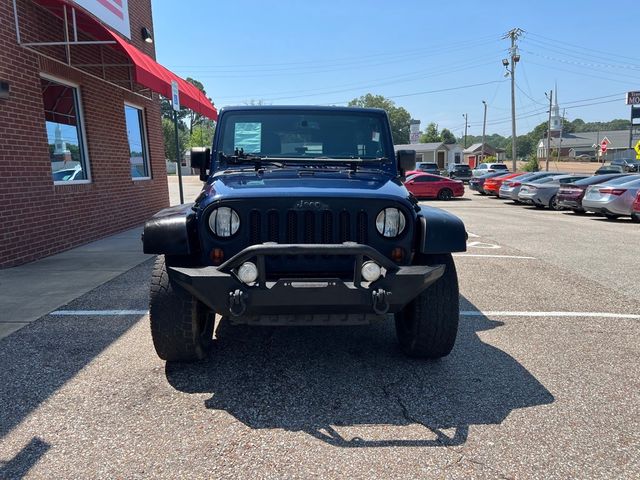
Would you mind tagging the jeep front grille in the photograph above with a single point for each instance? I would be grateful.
(307, 226)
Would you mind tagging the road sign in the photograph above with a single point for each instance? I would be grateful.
(637, 149)
(604, 144)
(175, 96)
(633, 98)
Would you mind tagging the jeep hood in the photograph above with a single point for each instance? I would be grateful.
(252, 185)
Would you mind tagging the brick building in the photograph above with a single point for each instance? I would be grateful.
(81, 149)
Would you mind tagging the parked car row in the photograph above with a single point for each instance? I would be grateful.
(612, 195)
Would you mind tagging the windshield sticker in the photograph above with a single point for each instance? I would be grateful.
(247, 136)
(375, 137)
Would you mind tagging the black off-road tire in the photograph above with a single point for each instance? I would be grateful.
(181, 326)
(427, 327)
(445, 194)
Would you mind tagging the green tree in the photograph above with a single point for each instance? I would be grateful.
(398, 116)
(447, 137)
(431, 134)
(168, 131)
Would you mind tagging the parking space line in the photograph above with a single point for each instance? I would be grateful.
(478, 313)
(464, 313)
(493, 256)
(63, 313)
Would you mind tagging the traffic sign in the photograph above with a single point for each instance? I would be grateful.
(175, 96)
(633, 98)
(604, 144)
(637, 149)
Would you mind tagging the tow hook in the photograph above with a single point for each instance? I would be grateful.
(380, 301)
(237, 305)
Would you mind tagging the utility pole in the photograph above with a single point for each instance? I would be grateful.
(466, 124)
(513, 34)
(564, 111)
(484, 127)
(550, 97)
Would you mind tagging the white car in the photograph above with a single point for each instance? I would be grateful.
(489, 167)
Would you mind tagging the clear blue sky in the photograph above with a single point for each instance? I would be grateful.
(328, 52)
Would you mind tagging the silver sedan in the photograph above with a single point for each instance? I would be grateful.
(543, 192)
(614, 198)
(511, 188)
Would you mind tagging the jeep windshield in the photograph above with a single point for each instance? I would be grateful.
(280, 137)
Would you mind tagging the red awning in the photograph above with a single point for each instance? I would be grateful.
(152, 75)
(146, 71)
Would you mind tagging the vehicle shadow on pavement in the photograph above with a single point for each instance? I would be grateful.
(322, 380)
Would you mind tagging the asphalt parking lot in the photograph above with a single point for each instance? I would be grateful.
(542, 383)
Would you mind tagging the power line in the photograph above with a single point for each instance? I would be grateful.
(591, 50)
(426, 92)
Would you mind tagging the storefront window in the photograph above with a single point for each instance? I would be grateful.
(138, 157)
(64, 132)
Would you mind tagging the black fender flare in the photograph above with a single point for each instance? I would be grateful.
(440, 232)
(171, 231)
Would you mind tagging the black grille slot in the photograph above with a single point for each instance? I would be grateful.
(345, 227)
(292, 227)
(327, 227)
(273, 226)
(362, 227)
(254, 227)
(309, 227)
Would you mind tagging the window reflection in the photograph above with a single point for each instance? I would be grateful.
(138, 158)
(64, 133)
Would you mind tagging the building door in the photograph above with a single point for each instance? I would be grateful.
(441, 160)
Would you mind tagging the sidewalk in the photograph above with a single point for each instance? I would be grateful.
(37, 288)
(28, 292)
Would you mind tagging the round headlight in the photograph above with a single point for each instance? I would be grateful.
(390, 222)
(224, 222)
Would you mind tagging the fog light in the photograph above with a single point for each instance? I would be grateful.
(248, 272)
(371, 271)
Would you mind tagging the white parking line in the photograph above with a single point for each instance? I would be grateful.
(478, 313)
(464, 313)
(62, 313)
(473, 235)
(493, 256)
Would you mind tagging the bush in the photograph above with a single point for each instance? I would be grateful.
(532, 164)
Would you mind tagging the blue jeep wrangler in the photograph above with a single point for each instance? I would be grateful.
(303, 220)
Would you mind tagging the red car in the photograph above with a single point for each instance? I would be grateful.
(426, 185)
(492, 185)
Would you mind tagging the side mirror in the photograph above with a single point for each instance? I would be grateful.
(406, 161)
(200, 160)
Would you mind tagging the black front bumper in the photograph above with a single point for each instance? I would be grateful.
(319, 300)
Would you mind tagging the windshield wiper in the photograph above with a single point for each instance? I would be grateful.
(239, 157)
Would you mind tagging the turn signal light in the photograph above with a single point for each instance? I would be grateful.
(397, 254)
(217, 256)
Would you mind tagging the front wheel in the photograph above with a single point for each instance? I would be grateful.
(181, 326)
(427, 327)
(635, 217)
(553, 203)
